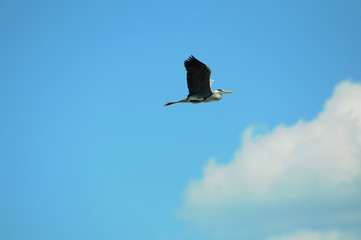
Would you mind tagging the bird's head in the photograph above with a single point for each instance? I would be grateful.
(221, 91)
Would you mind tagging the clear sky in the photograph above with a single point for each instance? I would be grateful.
(88, 151)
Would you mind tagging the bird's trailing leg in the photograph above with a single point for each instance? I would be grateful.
(170, 103)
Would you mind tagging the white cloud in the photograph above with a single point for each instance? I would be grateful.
(304, 175)
(308, 235)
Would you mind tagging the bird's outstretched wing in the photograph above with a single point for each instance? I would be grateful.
(198, 77)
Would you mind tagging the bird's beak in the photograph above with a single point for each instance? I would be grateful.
(228, 92)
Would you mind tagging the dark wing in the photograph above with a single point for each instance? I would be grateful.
(198, 77)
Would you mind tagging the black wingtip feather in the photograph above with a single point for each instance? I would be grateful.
(191, 60)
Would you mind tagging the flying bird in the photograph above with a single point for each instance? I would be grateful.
(199, 83)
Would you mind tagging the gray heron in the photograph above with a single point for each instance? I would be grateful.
(199, 83)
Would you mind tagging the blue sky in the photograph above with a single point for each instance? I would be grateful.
(88, 151)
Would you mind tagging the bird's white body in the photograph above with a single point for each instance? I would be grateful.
(215, 96)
